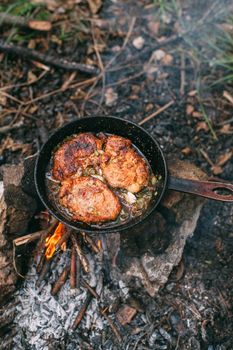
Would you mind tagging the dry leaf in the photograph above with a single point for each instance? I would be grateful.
(186, 151)
(228, 96)
(227, 27)
(94, 5)
(110, 97)
(43, 26)
(59, 120)
(3, 99)
(226, 129)
(167, 60)
(51, 5)
(126, 314)
(192, 93)
(202, 126)
(78, 95)
(189, 109)
(33, 109)
(157, 55)
(222, 159)
(41, 66)
(56, 40)
(13, 146)
(32, 44)
(197, 114)
(31, 77)
(68, 81)
(154, 27)
(216, 169)
(219, 245)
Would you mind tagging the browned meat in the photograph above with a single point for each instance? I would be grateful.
(89, 200)
(122, 166)
(75, 155)
(116, 144)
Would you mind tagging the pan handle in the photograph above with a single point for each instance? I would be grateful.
(207, 189)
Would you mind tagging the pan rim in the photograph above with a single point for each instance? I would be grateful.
(97, 230)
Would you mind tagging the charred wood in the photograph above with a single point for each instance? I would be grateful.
(82, 311)
(61, 280)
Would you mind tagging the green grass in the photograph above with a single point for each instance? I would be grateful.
(18, 8)
(25, 9)
(223, 47)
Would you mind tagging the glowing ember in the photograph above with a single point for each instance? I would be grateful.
(52, 241)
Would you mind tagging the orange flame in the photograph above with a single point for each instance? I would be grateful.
(52, 241)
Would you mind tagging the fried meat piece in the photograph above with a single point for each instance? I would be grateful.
(89, 200)
(122, 166)
(115, 144)
(75, 155)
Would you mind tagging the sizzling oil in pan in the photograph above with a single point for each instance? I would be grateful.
(133, 204)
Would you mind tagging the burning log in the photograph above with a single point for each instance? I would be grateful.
(51, 242)
(61, 280)
(73, 269)
(78, 273)
(40, 263)
(62, 241)
(43, 272)
(82, 311)
(29, 238)
(83, 259)
(91, 242)
(39, 252)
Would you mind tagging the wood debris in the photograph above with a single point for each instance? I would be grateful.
(126, 314)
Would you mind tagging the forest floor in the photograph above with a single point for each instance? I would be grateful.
(150, 54)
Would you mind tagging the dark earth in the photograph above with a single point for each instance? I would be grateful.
(195, 306)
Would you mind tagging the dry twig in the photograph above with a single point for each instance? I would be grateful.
(47, 59)
(20, 21)
(182, 74)
(111, 324)
(160, 110)
(90, 289)
(82, 311)
(83, 259)
(73, 268)
(91, 242)
(61, 280)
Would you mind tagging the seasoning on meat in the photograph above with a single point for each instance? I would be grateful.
(122, 166)
(89, 200)
(75, 155)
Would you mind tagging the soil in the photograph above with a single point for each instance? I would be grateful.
(197, 305)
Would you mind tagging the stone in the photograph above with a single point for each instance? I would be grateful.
(138, 42)
(150, 251)
(16, 210)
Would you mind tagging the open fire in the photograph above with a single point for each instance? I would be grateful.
(51, 242)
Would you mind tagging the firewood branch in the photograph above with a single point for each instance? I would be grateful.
(46, 58)
(20, 21)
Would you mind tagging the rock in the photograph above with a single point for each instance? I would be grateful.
(16, 210)
(20, 206)
(158, 55)
(153, 248)
(138, 42)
